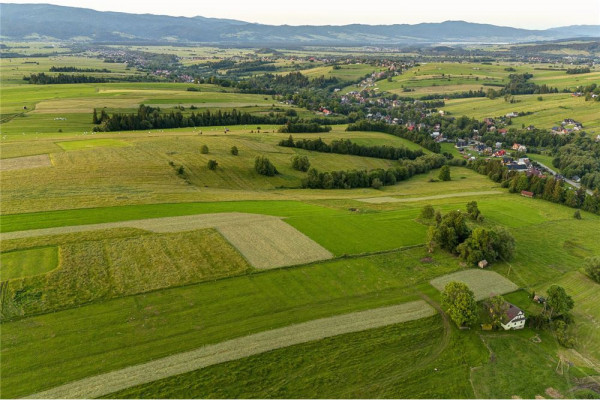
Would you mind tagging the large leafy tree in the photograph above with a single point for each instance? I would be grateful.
(496, 307)
(460, 303)
(449, 232)
(558, 302)
(592, 268)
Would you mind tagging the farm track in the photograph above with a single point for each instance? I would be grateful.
(265, 241)
(242, 347)
(387, 199)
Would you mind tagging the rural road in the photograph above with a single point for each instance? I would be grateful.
(569, 181)
(107, 383)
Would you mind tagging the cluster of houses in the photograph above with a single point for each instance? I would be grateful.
(567, 126)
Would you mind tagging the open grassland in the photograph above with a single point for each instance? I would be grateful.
(545, 114)
(347, 72)
(28, 162)
(30, 262)
(483, 283)
(520, 367)
(117, 266)
(420, 359)
(49, 350)
(586, 294)
(242, 347)
(90, 144)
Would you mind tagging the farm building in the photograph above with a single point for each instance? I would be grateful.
(514, 318)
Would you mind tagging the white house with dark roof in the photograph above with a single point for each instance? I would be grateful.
(514, 318)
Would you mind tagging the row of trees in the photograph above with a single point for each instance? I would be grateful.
(350, 179)
(75, 69)
(43, 79)
(348, 147)
(397, 130)
(298, 127)
(152, 118)
(547, 188)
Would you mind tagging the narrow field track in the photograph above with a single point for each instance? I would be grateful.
(234, 349)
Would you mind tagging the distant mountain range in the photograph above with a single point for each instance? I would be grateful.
(31, 21)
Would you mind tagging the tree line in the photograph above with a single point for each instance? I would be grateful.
(75, 69)
(43, 79)
(298, 127)
(350, 179)
(547, 188)
(348, 147)
(397, 130)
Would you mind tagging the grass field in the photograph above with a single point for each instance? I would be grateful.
(545, 114)
(90, 144)
(49, 350)
(102, 269)
(243, 347)
(23, 263)
(413, 359)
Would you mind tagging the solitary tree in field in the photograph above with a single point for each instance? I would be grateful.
(445, 173)
(263, 166)
(204, 149)
(427, 212)
(300, 163)
(473, 210)
(558, 302)
(460, 302)
(234, 150)
(212, 164)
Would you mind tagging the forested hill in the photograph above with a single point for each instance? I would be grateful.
(19, 21)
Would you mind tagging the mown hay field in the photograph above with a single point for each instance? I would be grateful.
(18, 163)
(49, 350)
(483, 283)
(242, 347)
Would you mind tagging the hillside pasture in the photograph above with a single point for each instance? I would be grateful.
(90, 144)
(483, 283)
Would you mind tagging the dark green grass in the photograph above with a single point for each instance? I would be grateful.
(51, 349)
(399, 361)
(519, 367)
(84, 216)
(18, 264)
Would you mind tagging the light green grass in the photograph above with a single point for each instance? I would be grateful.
(48, 350)
(91, 143)
(23, 263)
(483, 283)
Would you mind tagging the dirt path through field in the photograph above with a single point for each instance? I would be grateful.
(387, 199)
(234, 349)
(265, 241)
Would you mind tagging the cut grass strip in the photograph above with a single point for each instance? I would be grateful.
(386, 199)
(483, 283)
(238, 348)
(19, 264)
(9, 164)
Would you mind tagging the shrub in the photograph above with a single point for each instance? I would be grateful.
(473, 210)
(376, 184)
(234, 150)
(212, 164)
(427, 212)
(300, 163)
(204, 149)
(444, 173)
(263, 166)
(592, 268)
(577, 214)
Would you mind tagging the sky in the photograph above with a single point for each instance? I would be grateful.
(526, 14)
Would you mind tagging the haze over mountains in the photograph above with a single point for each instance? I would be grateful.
(30, 21)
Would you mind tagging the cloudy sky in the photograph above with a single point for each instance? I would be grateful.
(517, 13)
